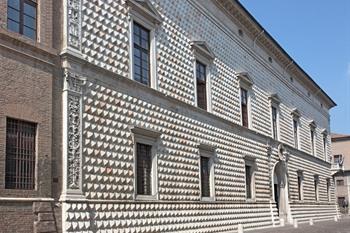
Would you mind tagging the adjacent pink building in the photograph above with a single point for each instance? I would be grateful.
(341, 168)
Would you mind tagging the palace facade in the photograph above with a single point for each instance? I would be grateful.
(162, 116)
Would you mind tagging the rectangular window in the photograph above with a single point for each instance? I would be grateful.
(20, 154)
(312, 136)
(144, 169)
(21, 17)
(274, 122)
(248, 181)
(328, 189)
(141, 58)
(201, 77)
(340, 182)
(300, 186)
(244, 107)
(205, 176)
(316, 187)
(325, 146)
(338, 159)
(295, 131)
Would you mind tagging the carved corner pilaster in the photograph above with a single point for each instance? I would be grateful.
(73, 28)
(72, 104)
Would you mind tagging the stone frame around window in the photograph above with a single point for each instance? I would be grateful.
(208, 151)
(250, 161)
(144, 14)
(203, 54)
(152, 138)
(275, 102)
(296, 117)
(313, 143)
(246, 83)
(300, 174)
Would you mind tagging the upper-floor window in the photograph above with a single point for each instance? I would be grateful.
(245, 83)
(296, 133)
(141, 59)
(340, 182)
(201, 76)
(274, 122)
(338, 159)
(325, 145)
(244, 107)
(21, 17)
(20, 154)
(312, 142)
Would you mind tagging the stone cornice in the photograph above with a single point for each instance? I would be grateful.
(243, 18)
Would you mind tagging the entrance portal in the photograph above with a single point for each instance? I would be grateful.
(280, 184)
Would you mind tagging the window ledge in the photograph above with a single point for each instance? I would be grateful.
(250, 200)
(146, 197)
(207, 198)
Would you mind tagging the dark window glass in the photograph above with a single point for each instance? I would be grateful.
(295, 130)
(312, 135)
(274, 122)
(205, 176)
(248, 181)
(340, 182)
(141, 54)
(316, 188)
(328, 189)
(325, 146)
(201, 77)
(244, 107)
(338, 159)
(21, 17)
(20, 154)
(144, 169)
(299, 186)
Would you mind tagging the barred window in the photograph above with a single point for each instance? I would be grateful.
(144, 169)
(201, 76)
(141, 54)
(205, 176)
(21, 17)
(244, 107)
(20, 154)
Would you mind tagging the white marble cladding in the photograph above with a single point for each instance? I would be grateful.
(105, 42)
(109, 111)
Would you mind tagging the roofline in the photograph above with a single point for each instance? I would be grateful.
(344, 138)
(333, 104)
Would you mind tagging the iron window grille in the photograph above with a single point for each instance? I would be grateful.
(20, 154)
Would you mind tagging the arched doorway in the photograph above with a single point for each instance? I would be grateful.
(280, 187)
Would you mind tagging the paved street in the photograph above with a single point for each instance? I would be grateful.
(342, 226)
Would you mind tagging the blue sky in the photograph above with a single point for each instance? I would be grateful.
(316, 34)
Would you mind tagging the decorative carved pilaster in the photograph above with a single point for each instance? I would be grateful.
(72, 133)
(74, 23)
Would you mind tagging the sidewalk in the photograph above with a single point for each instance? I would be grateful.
(342, 226)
